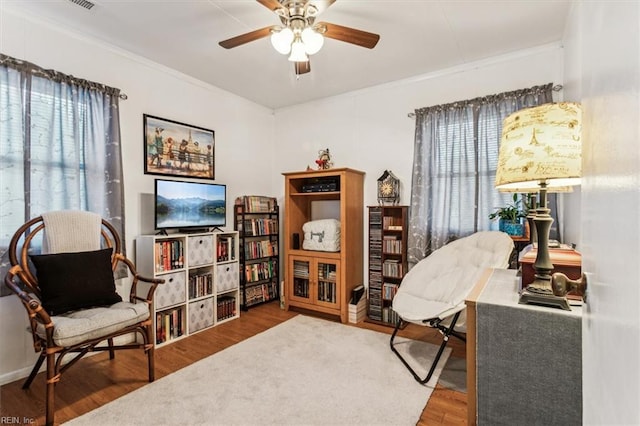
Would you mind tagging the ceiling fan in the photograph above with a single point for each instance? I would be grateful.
(300, 35)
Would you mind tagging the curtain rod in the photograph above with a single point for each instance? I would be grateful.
(29, 67)
(556, 88)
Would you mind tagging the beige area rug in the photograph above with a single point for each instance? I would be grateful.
(305, 371)
(454, 375)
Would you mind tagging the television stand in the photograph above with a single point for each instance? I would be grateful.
(162, 232)
(216, 228)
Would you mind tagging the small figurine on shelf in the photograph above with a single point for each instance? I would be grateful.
(324, 159)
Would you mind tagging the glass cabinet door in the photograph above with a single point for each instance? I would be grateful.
(301, 279)
(328, 289)
(315, 281)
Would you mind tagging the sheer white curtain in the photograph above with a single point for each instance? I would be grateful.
(59, 148)
(454, 166)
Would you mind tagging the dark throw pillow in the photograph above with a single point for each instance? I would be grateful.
(71, 281)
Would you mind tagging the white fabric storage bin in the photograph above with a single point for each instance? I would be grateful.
(200, 314)
(172, 291)
(321, 235)
(200, 250)
(227, 277)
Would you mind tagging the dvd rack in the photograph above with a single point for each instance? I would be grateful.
(387, 260)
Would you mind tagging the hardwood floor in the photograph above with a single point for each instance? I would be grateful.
(95, 380)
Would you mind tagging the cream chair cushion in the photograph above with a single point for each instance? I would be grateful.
(79, 326)
(437, 286)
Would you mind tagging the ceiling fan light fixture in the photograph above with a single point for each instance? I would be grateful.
(312, 40)
(298, 34)
(298, 53)
(281, 40)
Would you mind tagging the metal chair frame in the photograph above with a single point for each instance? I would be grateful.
(446, 332)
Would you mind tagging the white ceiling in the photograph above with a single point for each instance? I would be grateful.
(416, 37)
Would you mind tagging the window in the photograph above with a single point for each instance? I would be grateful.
(59, 147)
(455, 161)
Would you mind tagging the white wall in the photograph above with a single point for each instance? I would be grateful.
(603, 70)
(369, 130)
(243, 131)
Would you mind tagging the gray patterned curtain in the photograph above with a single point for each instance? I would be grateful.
(454, 166)
(59, 148)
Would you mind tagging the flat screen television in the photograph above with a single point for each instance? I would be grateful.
(189, 205)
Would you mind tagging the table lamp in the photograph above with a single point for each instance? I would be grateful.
(541, 148)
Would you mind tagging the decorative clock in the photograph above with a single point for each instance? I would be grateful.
(388, 188)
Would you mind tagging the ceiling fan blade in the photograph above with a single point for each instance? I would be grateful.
(349, 35)
(246, 38)
(302, 67)
(272, 5)
(321, 5)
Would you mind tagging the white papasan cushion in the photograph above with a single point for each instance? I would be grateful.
(79, 326)
(438, 285)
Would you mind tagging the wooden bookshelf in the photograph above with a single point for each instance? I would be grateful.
(319, 280)
(256, 218)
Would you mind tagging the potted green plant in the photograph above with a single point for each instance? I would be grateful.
(510, 217)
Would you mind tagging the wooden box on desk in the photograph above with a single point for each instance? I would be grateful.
(567, 261)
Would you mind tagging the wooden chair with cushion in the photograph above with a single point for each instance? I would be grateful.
(69, 293)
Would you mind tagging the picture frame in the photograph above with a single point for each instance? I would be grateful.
(172, 148)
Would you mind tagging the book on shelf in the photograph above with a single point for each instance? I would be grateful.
(392, 244)
(389, 290)
(159, 328)
(168, 255)
(200, 285)
(392, 268)
(169, 325)
(258, 249)
(392, 223)
(231, 248)
(326, 291)
(260, 293)
(260, 271)
(300, 287)
(258, 227)
(389, 315)
(226, 307)
(257, 203)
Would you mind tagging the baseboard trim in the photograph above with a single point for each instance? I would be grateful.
(24, 372)
(15, 375)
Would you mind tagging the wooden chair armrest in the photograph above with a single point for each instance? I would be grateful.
(150, 280)
(34, 307)
(152, 289)
(137, 277)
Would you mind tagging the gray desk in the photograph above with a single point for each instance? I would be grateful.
(524, 362)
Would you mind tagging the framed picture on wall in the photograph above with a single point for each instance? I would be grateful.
(178, 149)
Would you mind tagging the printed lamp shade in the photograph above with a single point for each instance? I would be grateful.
(541, 144)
